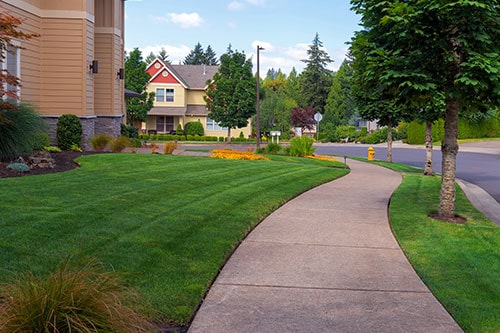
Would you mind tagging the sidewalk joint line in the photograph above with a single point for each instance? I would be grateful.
(321, 288)
(324, 245)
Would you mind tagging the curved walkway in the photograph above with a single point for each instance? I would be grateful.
(326, 261)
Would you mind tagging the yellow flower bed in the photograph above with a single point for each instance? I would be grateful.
(236, 155)
(323, 158)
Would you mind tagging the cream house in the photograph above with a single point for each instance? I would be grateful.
(179, 92)
(74, 66)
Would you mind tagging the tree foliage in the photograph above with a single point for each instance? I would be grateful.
(198, 56)
(316, 79)
(231, 95)
(340, 106)
(162, 55)
(412, 51)
(303, 118)
(137, 79)
(9, 31)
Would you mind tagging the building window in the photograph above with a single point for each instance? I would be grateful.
(164, 124)
(11, 63)
(212, 125)
(170, 95)
(160, 95)
(164, 95)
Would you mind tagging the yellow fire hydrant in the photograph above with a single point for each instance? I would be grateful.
(371, 153)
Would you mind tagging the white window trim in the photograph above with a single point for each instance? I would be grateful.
(4, 65)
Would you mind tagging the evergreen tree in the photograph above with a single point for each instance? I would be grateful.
(292, 86)
(316, 79)
(231, 96)
(150, 58)
(196, 56)
(340, 106)
(211, 57)
(137, 79)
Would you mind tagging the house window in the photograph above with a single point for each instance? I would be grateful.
(160, 95)
(164, 124)
(212, 125)
(164, 95)
(170, 95)
(11, 63)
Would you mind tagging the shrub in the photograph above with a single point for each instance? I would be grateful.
(118, 144)
(169, 147)
(52, 149)
(179, 130)
(69, 131)
(136, 143)
(73, 298)
(301, 146)
(100, 141)
(19, 167)
(129, 131)
(194, 128)
(40, 140)
(18, 130)
(273, 148)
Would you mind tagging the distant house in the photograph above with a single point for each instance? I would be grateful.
(74, 66)
(179, 92)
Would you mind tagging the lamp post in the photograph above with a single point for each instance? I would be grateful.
(257, 123)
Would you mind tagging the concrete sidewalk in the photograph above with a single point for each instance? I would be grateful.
(325, 262)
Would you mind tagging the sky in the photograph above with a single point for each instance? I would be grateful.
(284, 28)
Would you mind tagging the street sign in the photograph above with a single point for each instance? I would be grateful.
(318, 117)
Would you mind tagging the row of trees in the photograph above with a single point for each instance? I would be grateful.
(425, 60)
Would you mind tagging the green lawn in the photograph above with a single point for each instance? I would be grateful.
(459, 263)
(170, 222)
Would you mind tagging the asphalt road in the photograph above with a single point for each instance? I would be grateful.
(477, 168)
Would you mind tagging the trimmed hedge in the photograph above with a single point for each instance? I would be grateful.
(69, 131)
(466, 130)
(194, 128)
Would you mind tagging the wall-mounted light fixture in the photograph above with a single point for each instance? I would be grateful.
(94, 67)
(121, 74)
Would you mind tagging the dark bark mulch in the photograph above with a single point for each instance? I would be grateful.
(64, 161)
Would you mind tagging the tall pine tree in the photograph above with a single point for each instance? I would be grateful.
(316, 79)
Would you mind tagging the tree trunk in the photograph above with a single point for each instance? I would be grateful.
(449, 149)
(389, 142)
(229, 135)
(428, 149)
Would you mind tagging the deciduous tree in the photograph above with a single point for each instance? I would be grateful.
(303, 118)
(9, 31)
(137, 79)
(230, 96)
(412, 50)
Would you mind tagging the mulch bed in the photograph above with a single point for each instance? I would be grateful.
(64, 161)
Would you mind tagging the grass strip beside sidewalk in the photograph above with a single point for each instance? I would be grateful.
(459, 263)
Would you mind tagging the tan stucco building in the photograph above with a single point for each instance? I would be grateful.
(56, 70)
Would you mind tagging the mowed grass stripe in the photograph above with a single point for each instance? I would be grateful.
(168, 221)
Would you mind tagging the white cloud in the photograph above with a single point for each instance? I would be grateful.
(176, 54)
(239, 5)
(184, 20)
(235, 5)
(256, 2)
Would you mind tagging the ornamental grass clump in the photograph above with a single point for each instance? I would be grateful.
(236, 155)
(118, 144)
(169, 147)
(100, 141)
(74, 298)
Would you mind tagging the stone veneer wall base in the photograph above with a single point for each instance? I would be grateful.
(91, 126)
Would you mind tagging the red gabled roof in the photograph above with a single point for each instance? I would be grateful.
(189, 76)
